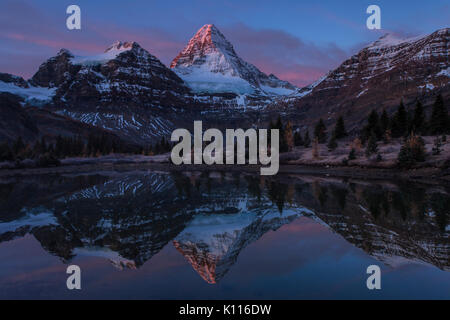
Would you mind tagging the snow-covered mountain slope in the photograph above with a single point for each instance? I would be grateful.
(212, 243)
(209, 64)
(129, 217)
(128, 91)
(111, 53)
(378, 77)
(125, 72)
(125, 90)
(31, 123)
(33, 95)
(423, 61)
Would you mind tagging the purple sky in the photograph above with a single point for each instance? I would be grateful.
(298, 41)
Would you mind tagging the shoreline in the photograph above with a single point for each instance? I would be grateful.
(428, 175)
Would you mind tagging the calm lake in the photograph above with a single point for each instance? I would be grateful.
(216, 235)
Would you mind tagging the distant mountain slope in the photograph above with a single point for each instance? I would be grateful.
(28, 92)
(378, 77)
(209, 64)
(125, 72)
(125, 90)
(32, 123)
(14, 120)
(128, 91)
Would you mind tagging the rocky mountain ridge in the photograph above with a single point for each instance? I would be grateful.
(129, 92)
(379, 76)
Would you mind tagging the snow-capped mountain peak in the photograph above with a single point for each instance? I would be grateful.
(120, 46)
(206, 42)
(392, 40)
(64, 52)
(110, 53)
(379, 75)
(210, 64)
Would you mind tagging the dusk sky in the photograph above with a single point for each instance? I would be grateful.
(297, 40)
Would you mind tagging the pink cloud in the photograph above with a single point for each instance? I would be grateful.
(56, 44)
(288, 57)
(164, 45)
(273, 51)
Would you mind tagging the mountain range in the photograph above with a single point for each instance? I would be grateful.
(128, 92)
(210, 218)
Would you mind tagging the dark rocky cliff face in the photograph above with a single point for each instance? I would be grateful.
(132, 76)
(125, 90)
(32, 123)
(55, 71)
(377, 77)
(16, 80)
(129, 92)
(14, 120)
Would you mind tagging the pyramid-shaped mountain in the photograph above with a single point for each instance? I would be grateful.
(209, 64)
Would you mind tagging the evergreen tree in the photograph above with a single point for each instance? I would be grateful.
(340, 131)
(418, 120)
(282, 144)
(288, 136)
(372, 146)
(373, 126)
(439, 122)
(307, 140)
(412, 151)
(315, 148)
(279, 124)
(37, 149)
(400, 122)
(163, 145)
(156, 148)
(384, 122)
(437, 146)
(6, 153)
(51, 149)
(298, 140)
(44, 145)
(352, 154)
(59, 147)
(320, 132)
(18, 146)
(332, 144)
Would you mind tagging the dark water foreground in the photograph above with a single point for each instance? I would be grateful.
(216, 235)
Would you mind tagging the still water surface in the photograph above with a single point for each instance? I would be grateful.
(214, 235)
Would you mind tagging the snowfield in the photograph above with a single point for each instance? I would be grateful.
(203, 81)
(110, 54)
(209, 64)
(32, 95)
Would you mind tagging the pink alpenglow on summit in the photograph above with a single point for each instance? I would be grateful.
(210, 64)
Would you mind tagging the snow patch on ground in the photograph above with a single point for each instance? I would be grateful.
(390, 40)
(444, 72)
(116, 49)
(279, 91)
(32, 95)
(362, 93)
(204, 81)
(30, 220)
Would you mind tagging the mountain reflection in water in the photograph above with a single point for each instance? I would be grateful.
(210, 217)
